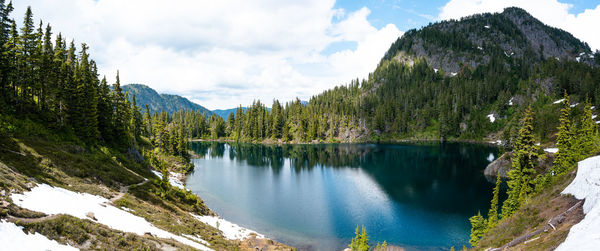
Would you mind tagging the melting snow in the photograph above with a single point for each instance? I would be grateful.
(173, 179)
(551, 150)
(12, 237)
(584, 235)
(55, 200)
(230, 230)
(559, 101)
(491, 157)
(491, 117)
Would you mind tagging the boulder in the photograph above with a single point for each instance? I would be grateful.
(499, 166)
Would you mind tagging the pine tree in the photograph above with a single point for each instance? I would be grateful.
(564, 156)
(478, 228)
(520, 178)
(136, 119)
(587, 139)
(120, 113)
(493, 213)
(105, 112)
(361, 240)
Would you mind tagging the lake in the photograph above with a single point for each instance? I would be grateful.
(417, 196)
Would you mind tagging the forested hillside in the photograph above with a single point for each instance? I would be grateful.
(161, 102)
(465, 79)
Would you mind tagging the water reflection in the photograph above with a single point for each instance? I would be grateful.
(411, 195)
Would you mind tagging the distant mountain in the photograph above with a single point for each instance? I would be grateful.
(161, 102)
(224, 113)
(485, 38)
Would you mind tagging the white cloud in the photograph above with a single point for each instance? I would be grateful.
(221, 53)
(551, 12)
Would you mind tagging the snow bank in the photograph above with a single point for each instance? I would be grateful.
(54, 200)
(173, 179)
(491, 157)
(551, 150)
(230, 230)
(491, 117)
(585, 235)
(12, 237)
(559, 101)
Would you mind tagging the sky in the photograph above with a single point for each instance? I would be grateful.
(221, 54)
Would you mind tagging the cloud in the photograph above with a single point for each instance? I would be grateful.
(201, 49)
(551, 12)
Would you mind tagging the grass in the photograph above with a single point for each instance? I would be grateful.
(533, 215)
(89, 235)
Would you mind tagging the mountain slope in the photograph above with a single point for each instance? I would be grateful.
(161, 102)
(480, 38)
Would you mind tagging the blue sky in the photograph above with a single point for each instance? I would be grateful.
(224, 53)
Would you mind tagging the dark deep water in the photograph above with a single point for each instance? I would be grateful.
(314, 196)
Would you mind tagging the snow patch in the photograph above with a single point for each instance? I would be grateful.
(584, 235)
(578, 59)
(593, 107)
(435, 70)
(491, 157)
(491, 117)
(594, 116)
(12, 237)
(551, 150)
(173, 179)
(573, 105)
(453, 74)
(510, 102)
(487, 26)
(559, 101)
(230, 230)
(480, 48)
(497, 142)
(54, 200)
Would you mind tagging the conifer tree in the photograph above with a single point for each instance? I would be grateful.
(493, 213)
(478, 228)
(587, 139)
(525, 155)
(564, 139)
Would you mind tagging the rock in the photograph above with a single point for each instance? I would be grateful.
(135, 155)
(91, 216)
(499, 166)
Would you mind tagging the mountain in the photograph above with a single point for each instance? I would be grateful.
(482, 38)
(161, 102)
(224, 113)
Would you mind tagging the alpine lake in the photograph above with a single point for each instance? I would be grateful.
(415, 196)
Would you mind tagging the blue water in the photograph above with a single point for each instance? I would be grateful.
(313, 196)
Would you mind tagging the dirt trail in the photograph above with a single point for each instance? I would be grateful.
(125, 189)
(14, 219)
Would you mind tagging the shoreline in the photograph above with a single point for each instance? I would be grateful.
(269, 142)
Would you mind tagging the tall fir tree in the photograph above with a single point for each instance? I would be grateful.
(524, 159)
(493, 213)
(564, 139)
